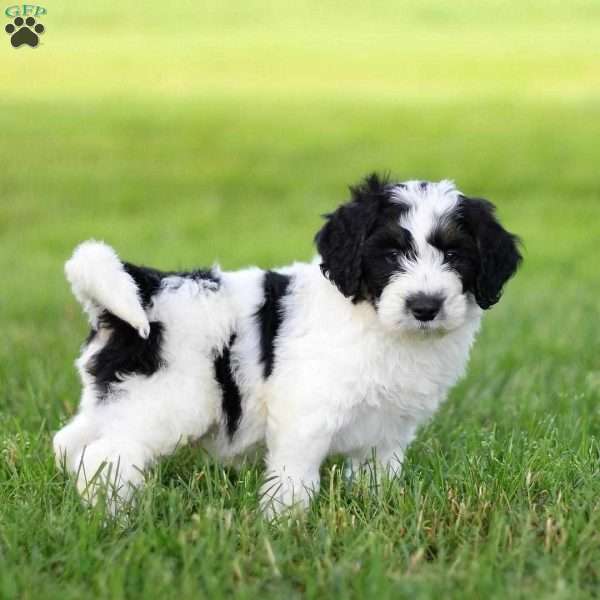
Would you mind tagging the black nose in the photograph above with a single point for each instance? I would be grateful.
(423, 306)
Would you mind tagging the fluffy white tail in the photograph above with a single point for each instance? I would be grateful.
(100, 282)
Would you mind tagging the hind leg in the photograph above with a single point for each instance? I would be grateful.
(146, 418)
(77, 447)
(70, 441)
(112, 467)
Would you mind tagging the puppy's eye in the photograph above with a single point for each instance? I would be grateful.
(392, 258)
(451, 254)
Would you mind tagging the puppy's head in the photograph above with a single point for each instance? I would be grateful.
(426, 257)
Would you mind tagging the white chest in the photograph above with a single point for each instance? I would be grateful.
(397, 388)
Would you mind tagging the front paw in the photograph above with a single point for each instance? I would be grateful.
(282, 495)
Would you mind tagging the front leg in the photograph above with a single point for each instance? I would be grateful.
(389, 461)
(376, 463)
(293, 461)
(383, 461)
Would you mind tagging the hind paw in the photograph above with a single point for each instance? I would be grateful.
(111, 469)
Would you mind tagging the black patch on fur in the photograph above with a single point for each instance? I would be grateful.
(478, 248)
(125, 353)
(149, 280)
(383, 253)
(361, 242)
(270, 316)
(459, 248)
(231, 397)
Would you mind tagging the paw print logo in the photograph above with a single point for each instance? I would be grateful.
(24, 32)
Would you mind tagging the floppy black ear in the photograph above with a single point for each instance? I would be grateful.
(341, 240)
(499, 255)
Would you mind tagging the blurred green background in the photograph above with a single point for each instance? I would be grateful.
(187, 132)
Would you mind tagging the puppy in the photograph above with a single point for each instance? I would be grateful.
(348, 354)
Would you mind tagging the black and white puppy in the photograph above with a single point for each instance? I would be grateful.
(347, 354)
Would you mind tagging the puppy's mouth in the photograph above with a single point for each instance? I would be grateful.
(422, 329)
(435, 327)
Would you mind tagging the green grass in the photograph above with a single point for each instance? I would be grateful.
(185, 133)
